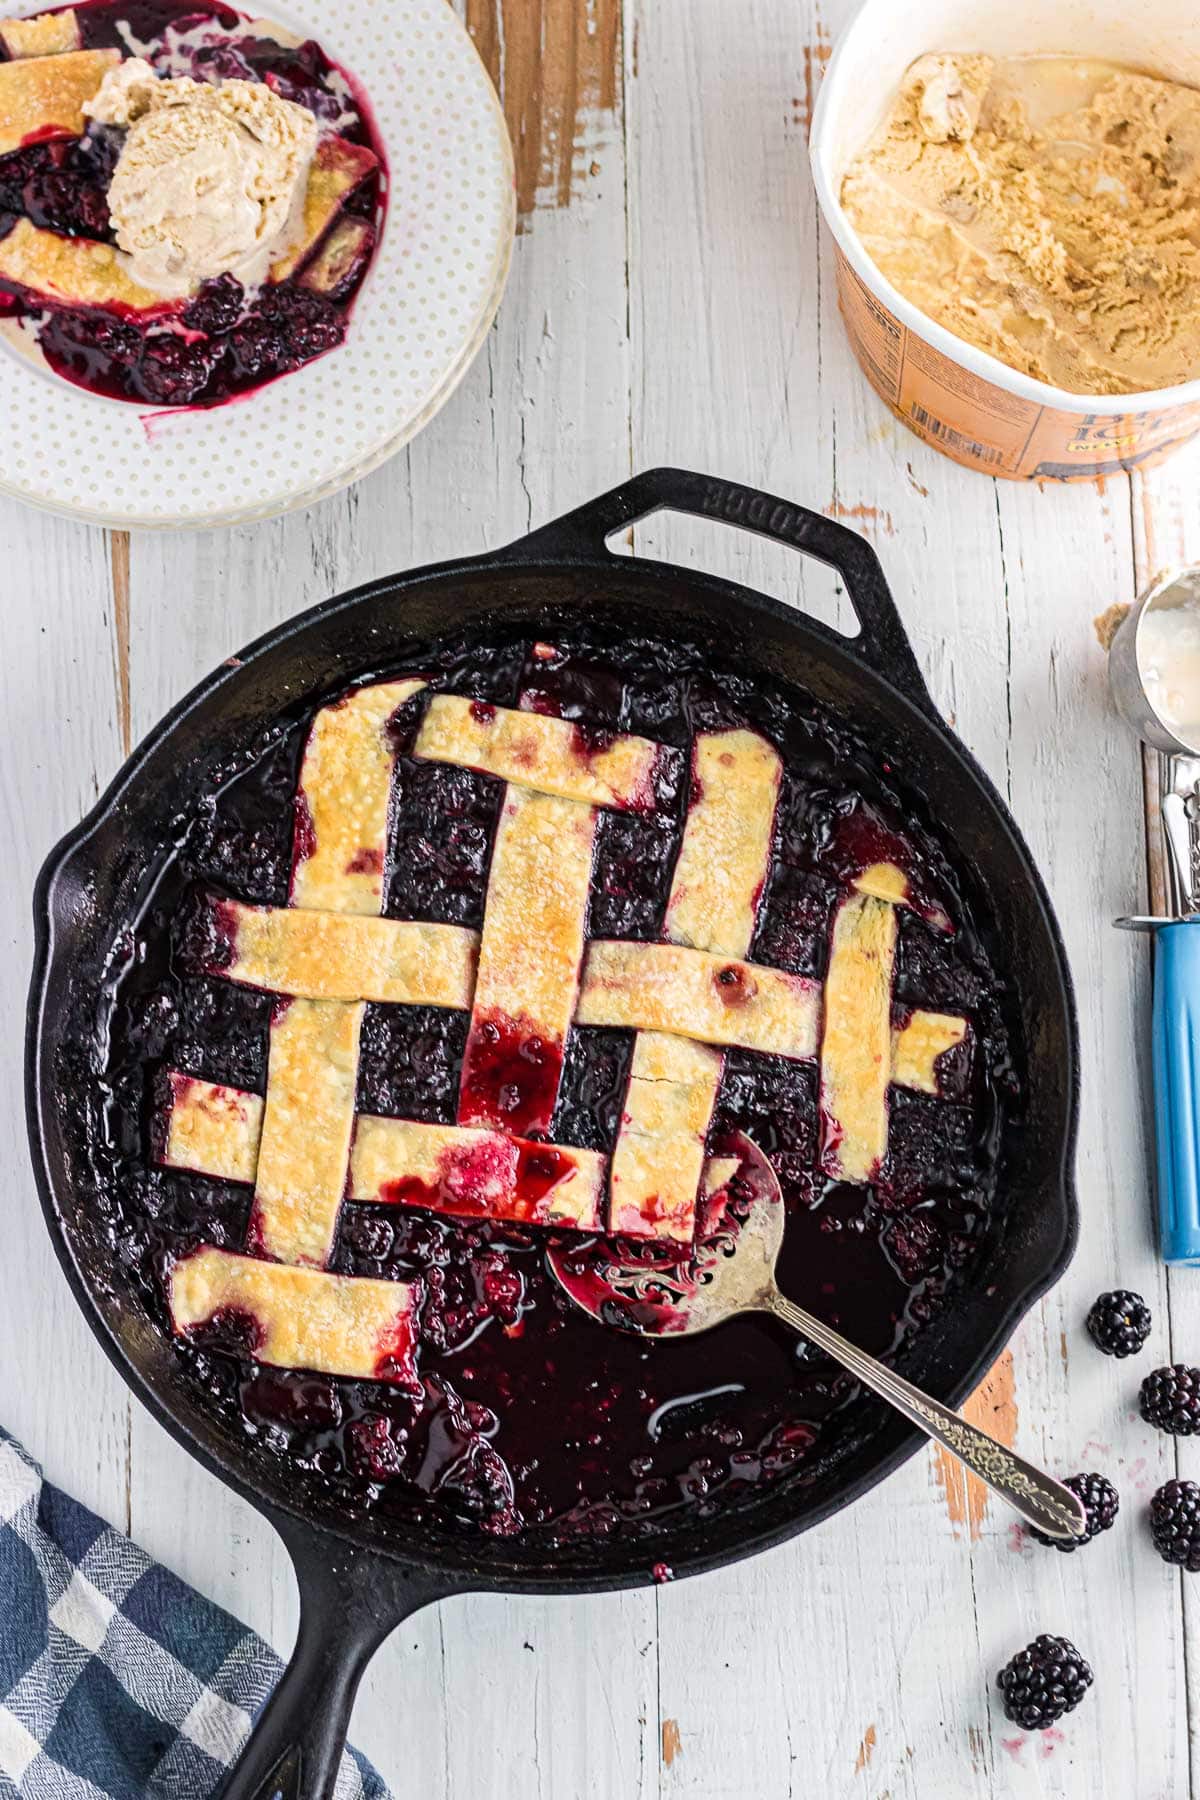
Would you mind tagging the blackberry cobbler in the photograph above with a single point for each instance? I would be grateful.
(189, 200)
(498, 953)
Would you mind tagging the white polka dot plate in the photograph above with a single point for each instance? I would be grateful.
(421, 317)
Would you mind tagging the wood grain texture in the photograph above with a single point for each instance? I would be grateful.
(118, 548)
(61, 742)
(680, 308)
(556, 65)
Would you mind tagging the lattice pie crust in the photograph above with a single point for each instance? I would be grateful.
(526, 980)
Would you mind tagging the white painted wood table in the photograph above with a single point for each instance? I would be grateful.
(672, 300)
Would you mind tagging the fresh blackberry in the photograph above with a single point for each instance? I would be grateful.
(1170, 1399)
(1042, 1682)
(1100, 1502)
(1175, 1524)
(1120, 1323)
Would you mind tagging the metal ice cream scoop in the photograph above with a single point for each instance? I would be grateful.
(1154, 666)
(731, 1269)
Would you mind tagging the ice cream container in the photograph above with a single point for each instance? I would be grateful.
(966, 403)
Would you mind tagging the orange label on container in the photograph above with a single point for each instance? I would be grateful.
(983, 426)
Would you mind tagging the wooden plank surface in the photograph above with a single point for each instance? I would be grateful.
(672, 300)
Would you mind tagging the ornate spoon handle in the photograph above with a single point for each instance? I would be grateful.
(1044, 1503)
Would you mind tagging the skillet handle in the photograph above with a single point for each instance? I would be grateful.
(350, 1602)
(884, 643)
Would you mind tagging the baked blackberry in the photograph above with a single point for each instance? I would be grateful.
(1170, 1399)
(1100, 1501)
(1119, 1323)
(1043, 1682)
(1175, 1524)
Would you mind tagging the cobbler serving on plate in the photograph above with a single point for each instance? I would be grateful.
(500, 952)
(189, 199)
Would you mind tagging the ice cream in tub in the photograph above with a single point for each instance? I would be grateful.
(955, 393)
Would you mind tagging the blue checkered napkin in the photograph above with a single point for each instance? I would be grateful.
(117, 1681)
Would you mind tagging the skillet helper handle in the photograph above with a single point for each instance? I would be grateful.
(1176, 1029)
(349, 1603)
(884, 643)
(1041, 1501)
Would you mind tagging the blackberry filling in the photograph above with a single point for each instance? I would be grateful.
(525, 1414)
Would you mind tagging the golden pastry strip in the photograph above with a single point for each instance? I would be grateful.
(343, 800)
(727, 840)
(340, 956)
(299, 1318)
(337, 169)
(339, 257)
(917, 1047)
(43, 96)
(537, 752)
(659, 1155)
(47, 34)
(456, 1170)
(477, 1174)
(856, 1049)
(67, 271)
(213, 1130)
(662, 987)
(529, 958)
(888, 881)
(308, 1123)
(884, 881)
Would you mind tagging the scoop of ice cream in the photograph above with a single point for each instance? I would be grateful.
(210, 180)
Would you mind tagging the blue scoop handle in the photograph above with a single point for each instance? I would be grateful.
(1177, 1088)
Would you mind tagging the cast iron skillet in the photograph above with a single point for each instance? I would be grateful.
(358, 1578)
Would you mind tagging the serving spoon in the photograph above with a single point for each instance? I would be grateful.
(732, 1270)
